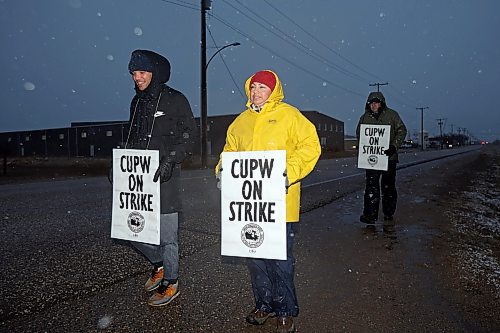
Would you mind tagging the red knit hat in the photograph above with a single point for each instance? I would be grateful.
(264, 77)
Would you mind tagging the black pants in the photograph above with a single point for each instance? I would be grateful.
(372, 191)
(272, 282)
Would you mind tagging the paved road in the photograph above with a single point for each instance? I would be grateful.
(62, 273)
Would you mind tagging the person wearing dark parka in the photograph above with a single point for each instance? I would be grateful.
(161, 119)
(377, 113)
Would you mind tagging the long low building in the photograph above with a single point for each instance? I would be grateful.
(97, 139)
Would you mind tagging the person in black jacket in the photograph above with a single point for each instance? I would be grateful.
(161, 119)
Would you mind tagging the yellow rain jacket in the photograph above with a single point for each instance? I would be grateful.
(278, 126)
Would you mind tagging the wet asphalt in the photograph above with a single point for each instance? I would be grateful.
(61, 271)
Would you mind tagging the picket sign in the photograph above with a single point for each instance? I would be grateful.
(136, 198)
(373, 141)
(253, 204)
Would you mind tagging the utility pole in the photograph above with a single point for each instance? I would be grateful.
(422, 125)
(378, 85)
(441, 123)
(205, 5)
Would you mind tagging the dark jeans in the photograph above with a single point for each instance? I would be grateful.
(168, 250)
(272, 282)
(389, 193)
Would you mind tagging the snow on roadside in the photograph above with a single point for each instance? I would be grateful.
(476, 219)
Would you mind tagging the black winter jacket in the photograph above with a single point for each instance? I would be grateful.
(161, 119)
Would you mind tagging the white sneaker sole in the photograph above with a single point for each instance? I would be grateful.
(162, 304)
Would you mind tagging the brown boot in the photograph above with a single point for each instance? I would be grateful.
(285, 325)
(258, 317)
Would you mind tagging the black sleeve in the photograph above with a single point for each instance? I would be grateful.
(185, 140)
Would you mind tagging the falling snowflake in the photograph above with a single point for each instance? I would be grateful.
(110, 57)
(29, 86)
(138, 31)
(104, 322)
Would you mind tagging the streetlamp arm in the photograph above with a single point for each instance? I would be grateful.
(222, 48)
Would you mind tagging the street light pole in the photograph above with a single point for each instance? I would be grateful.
(422, 125)
(203, 115)
(205, 5)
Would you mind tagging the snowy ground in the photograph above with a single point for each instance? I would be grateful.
(475, 218)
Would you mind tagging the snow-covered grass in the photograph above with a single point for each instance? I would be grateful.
(476, 219)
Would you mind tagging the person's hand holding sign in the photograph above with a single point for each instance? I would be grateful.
(218, 177)
(164, 172)
(287, 183)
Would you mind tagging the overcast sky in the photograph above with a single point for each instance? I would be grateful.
(66, 60)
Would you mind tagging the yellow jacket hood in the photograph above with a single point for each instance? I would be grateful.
(276, 96)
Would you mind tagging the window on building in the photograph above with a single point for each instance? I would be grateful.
(109, 133)
(61, 136)
(9, 139)
(323, 141)
(325, 127)
(27, 138)
(331, 127)
(44, 137)
(336, 128)
(318, 126)
(84, 135)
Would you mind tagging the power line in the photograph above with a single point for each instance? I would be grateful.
(319, 41)
(193, 7)
(284, 58)
(291, 40)
(225, 64)
(196, 8)
(182, 4)
(311, 52)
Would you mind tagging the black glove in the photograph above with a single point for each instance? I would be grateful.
(164, 172)
(287, 183)
(390, 151)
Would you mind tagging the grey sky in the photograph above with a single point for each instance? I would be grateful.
(66, 60)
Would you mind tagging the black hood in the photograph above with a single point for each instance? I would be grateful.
(145, 60)
(375, 95)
